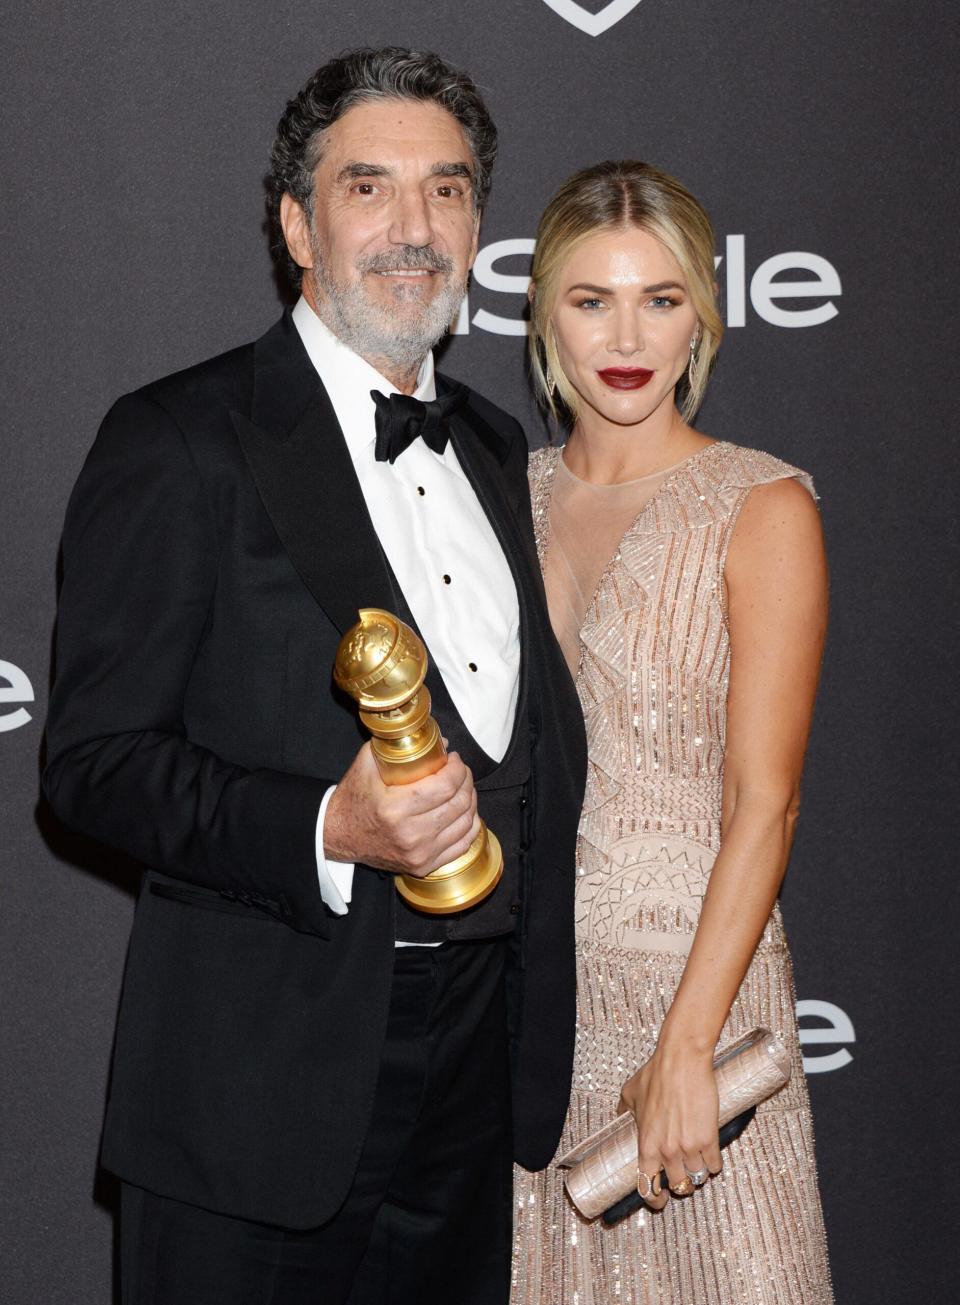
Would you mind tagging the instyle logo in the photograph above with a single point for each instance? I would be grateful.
(14, 687)
(834, 1028)
(592, 24)
(773, 299)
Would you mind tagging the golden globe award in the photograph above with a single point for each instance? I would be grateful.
(381, 663)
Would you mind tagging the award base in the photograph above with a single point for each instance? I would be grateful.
(459, 884)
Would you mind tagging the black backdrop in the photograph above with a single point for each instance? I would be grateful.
(819, 136)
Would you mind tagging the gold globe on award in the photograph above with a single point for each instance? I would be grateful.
(382, 664)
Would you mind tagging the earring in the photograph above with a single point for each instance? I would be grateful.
(551, 382)
(693, 358)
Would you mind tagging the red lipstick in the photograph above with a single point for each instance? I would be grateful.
(625, 378)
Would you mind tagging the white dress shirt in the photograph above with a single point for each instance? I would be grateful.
(443, 552)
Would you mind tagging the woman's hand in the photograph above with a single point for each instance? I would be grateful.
(674, 1101)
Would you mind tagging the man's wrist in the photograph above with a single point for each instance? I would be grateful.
(333, 848)
(335, 875)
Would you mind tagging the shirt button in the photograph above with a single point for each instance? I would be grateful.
(446, 579)
(472, 665)
(421, 491)
(514, 908)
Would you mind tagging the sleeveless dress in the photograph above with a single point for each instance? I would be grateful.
(652, 677)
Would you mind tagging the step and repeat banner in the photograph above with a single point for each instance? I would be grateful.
(817, 135)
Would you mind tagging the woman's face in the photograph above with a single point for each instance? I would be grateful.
(623, 323)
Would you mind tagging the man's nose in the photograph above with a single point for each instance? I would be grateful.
(410, 221)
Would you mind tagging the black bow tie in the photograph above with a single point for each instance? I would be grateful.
(401, 418)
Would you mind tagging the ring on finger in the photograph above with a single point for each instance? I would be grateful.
(683, 1188)
(698, 1176)
(653, 1187)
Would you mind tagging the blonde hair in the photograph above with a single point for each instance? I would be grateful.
(604, 197)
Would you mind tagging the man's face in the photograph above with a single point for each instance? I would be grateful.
(394, 231)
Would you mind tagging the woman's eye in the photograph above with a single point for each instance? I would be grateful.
(590, 303)
(663, 301)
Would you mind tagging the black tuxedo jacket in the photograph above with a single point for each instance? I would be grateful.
(216, 547)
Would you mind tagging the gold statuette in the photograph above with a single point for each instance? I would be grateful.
(382, 664)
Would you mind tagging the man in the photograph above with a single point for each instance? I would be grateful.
(315, 1088)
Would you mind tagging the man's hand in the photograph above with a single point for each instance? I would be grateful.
(404, 828)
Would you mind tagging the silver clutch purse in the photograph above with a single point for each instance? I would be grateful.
(603, 1170)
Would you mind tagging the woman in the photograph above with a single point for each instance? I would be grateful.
(687, 586)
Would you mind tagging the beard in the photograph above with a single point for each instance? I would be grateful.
(404, 333)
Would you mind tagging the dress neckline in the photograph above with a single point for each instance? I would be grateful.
(669, 474)
(635, 480)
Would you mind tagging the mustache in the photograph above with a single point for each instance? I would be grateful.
(406, 258)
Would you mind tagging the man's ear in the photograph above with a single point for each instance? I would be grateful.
(296, 230)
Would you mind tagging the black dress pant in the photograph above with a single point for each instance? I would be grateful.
(428, 1218)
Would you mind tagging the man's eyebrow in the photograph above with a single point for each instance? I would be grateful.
(358, 169)
(452, 170)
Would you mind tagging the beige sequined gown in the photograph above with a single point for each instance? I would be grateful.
(652, 676)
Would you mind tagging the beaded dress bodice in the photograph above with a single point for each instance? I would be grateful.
(652, 679)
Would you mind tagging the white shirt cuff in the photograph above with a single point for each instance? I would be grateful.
(336, 877)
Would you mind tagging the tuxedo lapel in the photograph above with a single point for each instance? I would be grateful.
(305, 477)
